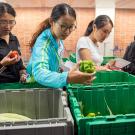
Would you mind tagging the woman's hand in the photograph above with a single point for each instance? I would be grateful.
(75, 76)
(102, 68)
(7, 60)
(111, 65)
(23, 76)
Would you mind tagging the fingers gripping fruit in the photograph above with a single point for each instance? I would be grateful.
(14, 54)
(87, 66)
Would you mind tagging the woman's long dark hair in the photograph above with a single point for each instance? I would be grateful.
(58, 11)
(100, 22)
(6, 8)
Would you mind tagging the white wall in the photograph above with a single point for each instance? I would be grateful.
(106, 7)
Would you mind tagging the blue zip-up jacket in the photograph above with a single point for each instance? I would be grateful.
(44, 62)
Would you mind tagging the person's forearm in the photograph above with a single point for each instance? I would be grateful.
(3, 63)
(2, 67)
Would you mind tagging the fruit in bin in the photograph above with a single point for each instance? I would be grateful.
(91, 115)
(87, 66)
(82, 115)
(14, 54)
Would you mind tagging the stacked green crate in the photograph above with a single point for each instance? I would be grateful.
(113, 87)
(103, 110)
(104, 77)
(72, 57)
(108, 78)
(65, 59)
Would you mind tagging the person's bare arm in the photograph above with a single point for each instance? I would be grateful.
(85, 54)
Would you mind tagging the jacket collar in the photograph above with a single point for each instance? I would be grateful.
(11, 37)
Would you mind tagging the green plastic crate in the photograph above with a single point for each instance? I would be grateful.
(108, 78)
(65, 59)
(107, 59)
(20, 86)
(72, 57)
(121, 101)
(104, 77)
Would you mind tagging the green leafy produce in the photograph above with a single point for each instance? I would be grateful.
(87, 66)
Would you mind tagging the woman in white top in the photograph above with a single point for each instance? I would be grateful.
(87, 47)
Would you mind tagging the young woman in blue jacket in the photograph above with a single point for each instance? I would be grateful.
(47, 46)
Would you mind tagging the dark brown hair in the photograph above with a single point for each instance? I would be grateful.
(58, 11)
(100, 22)
(6, 8)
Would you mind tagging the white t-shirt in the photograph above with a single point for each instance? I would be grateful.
(86, 42)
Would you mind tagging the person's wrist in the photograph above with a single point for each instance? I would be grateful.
(3, 63)
(23, 74)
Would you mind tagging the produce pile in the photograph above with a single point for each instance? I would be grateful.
(87, 66)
